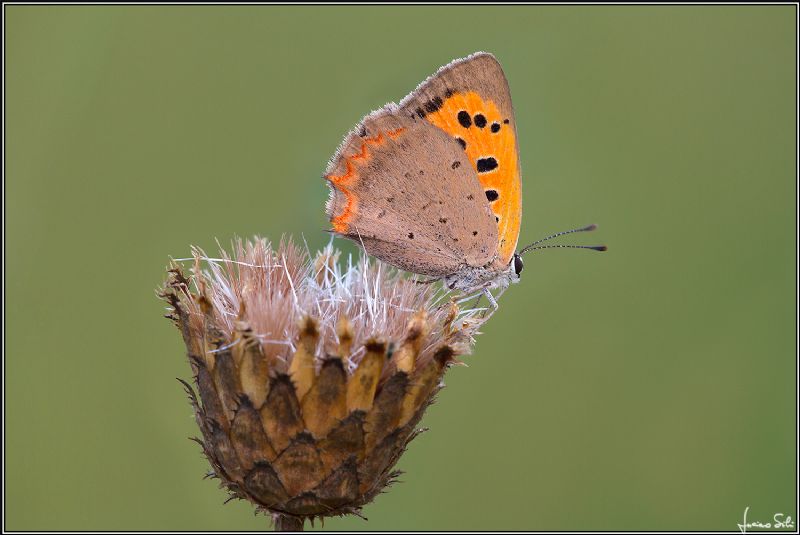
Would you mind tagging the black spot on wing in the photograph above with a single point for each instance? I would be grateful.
(433, 105)
(464, 119)
(492, 195)
(480, 120)
(495, 128)
(486, 164)
(461, 142)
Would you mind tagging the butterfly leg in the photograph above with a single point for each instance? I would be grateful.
(491, 298)
(466, 298)
(477, 301)
(428, 281)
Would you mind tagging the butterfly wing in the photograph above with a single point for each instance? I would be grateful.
(406, 191)
(469, 99)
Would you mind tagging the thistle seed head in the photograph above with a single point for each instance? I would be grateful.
(311, 376)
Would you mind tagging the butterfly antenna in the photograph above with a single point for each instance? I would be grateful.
(592, 247)
(589, 228)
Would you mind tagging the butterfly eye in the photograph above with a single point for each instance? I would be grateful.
(517, 264)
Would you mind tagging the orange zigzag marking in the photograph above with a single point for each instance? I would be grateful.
(341, 222)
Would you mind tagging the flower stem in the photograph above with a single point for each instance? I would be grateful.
(287, 523)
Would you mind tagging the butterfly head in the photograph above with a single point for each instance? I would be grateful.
(511, 274)
(518, 265)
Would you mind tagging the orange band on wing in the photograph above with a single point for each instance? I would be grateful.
(491, 145)
(342, 221)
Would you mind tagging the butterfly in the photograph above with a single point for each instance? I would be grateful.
(432, 185)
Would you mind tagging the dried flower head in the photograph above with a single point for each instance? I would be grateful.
(311, 378)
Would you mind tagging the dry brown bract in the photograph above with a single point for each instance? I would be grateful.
(311, 378)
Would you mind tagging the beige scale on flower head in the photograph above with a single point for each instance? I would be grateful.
(433, 185)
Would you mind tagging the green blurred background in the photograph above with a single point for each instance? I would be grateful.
(650, 387)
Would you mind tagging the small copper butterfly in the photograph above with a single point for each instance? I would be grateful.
(432, 185)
